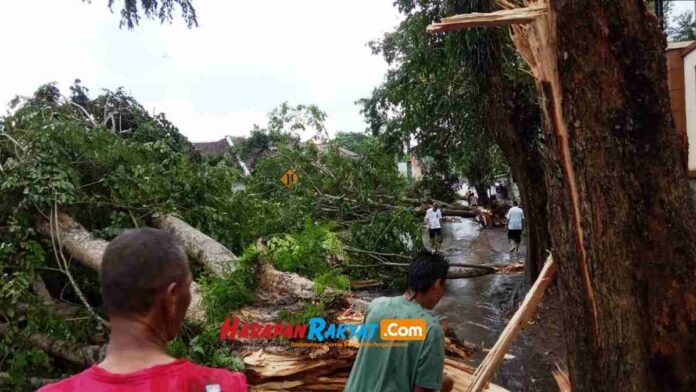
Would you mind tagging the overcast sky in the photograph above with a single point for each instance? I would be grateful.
(246, 58)
(683, 5)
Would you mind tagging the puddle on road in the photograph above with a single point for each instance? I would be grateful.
(476, 308)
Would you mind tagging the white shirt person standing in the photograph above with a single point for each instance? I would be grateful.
(515, 218)
(432, 219)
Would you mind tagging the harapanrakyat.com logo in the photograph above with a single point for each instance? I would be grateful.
(318, 330)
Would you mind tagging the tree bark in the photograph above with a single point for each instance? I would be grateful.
(623, 225)
(482, 192)
(467, 273)
(80, 244)
(72, 352)
(77, 241)
(216, 257)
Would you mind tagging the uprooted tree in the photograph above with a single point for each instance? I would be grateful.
(77, 171)
(622, 219)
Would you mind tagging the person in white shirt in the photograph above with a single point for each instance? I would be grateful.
(515, 217)
(432, 219)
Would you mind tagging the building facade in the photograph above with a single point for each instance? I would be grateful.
(681, 68)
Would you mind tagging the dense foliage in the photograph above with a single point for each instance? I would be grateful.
(111, 165)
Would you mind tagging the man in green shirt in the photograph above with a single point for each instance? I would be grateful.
(417, 367)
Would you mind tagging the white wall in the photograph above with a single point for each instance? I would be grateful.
(690, 95)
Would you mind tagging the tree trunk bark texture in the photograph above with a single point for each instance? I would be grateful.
(623, 227)
(80, 244)
(77, 241)
(197, 245)
(72, 352)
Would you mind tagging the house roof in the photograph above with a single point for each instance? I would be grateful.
(213, 148)
(218, 147)
(684, 47)
(323, 148)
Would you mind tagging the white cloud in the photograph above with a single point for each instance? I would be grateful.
(243, 60)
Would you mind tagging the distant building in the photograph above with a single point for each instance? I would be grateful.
(221, 147)
(416, 168)
(344, 152)
(218, 147)
(681, 70)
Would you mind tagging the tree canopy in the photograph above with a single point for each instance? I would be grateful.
(683, 28)
(132, 11)
(429, 94)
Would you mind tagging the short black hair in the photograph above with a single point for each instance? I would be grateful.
(425, 269)
(136, 266)
(514, 203)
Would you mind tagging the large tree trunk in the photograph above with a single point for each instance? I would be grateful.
(623, 226)
(622, 222)
(198, 246)
(80, 244)
(482, 192)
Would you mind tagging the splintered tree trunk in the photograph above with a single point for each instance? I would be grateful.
(626, 269)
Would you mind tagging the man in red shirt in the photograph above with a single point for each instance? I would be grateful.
(145, 286)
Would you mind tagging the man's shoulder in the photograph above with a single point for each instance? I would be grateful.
(187, 372)
(383, 305)
(380, 301)
(434, 329)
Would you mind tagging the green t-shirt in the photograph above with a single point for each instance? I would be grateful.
(399, 369)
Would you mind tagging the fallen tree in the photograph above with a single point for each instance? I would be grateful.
(136, 170)
(277, 290)
(198, 246)
(88, 250)
(327, 369)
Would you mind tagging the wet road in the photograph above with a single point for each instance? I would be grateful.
(478, 309)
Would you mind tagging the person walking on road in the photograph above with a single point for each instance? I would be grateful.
(515, 217)
(432, 219)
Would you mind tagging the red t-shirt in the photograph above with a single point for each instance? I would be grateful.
(180, 375)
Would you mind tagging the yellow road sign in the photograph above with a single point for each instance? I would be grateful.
(289, 178)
